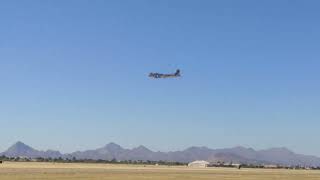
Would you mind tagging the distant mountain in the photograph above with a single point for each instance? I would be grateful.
(20, 149)
(108, 152)
(282, 156)
(285, 156)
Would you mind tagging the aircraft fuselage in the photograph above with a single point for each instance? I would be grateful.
(159, 75)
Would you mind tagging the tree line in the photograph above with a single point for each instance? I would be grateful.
(75, 160)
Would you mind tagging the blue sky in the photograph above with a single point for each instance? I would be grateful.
(73, 74)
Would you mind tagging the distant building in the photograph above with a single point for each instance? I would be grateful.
(199, 164)
(270, 166)
(237, 165)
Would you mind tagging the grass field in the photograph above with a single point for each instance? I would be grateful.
(61, 171)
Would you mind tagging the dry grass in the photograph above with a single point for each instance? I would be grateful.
(36, 171)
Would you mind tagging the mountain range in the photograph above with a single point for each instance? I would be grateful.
(282, 156)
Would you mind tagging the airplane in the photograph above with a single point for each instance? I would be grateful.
(158, 75)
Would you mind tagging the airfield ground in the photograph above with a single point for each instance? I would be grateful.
(63, 171)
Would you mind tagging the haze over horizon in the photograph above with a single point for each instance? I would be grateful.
(74, 74)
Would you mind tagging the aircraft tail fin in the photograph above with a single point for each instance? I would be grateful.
(177, 72)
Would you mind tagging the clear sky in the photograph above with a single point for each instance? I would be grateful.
(73, 74)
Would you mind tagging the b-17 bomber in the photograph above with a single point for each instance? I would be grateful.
(159, 75)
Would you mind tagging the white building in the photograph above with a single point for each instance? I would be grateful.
(199, 164)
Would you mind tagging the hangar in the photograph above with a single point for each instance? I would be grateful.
(199, 164)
